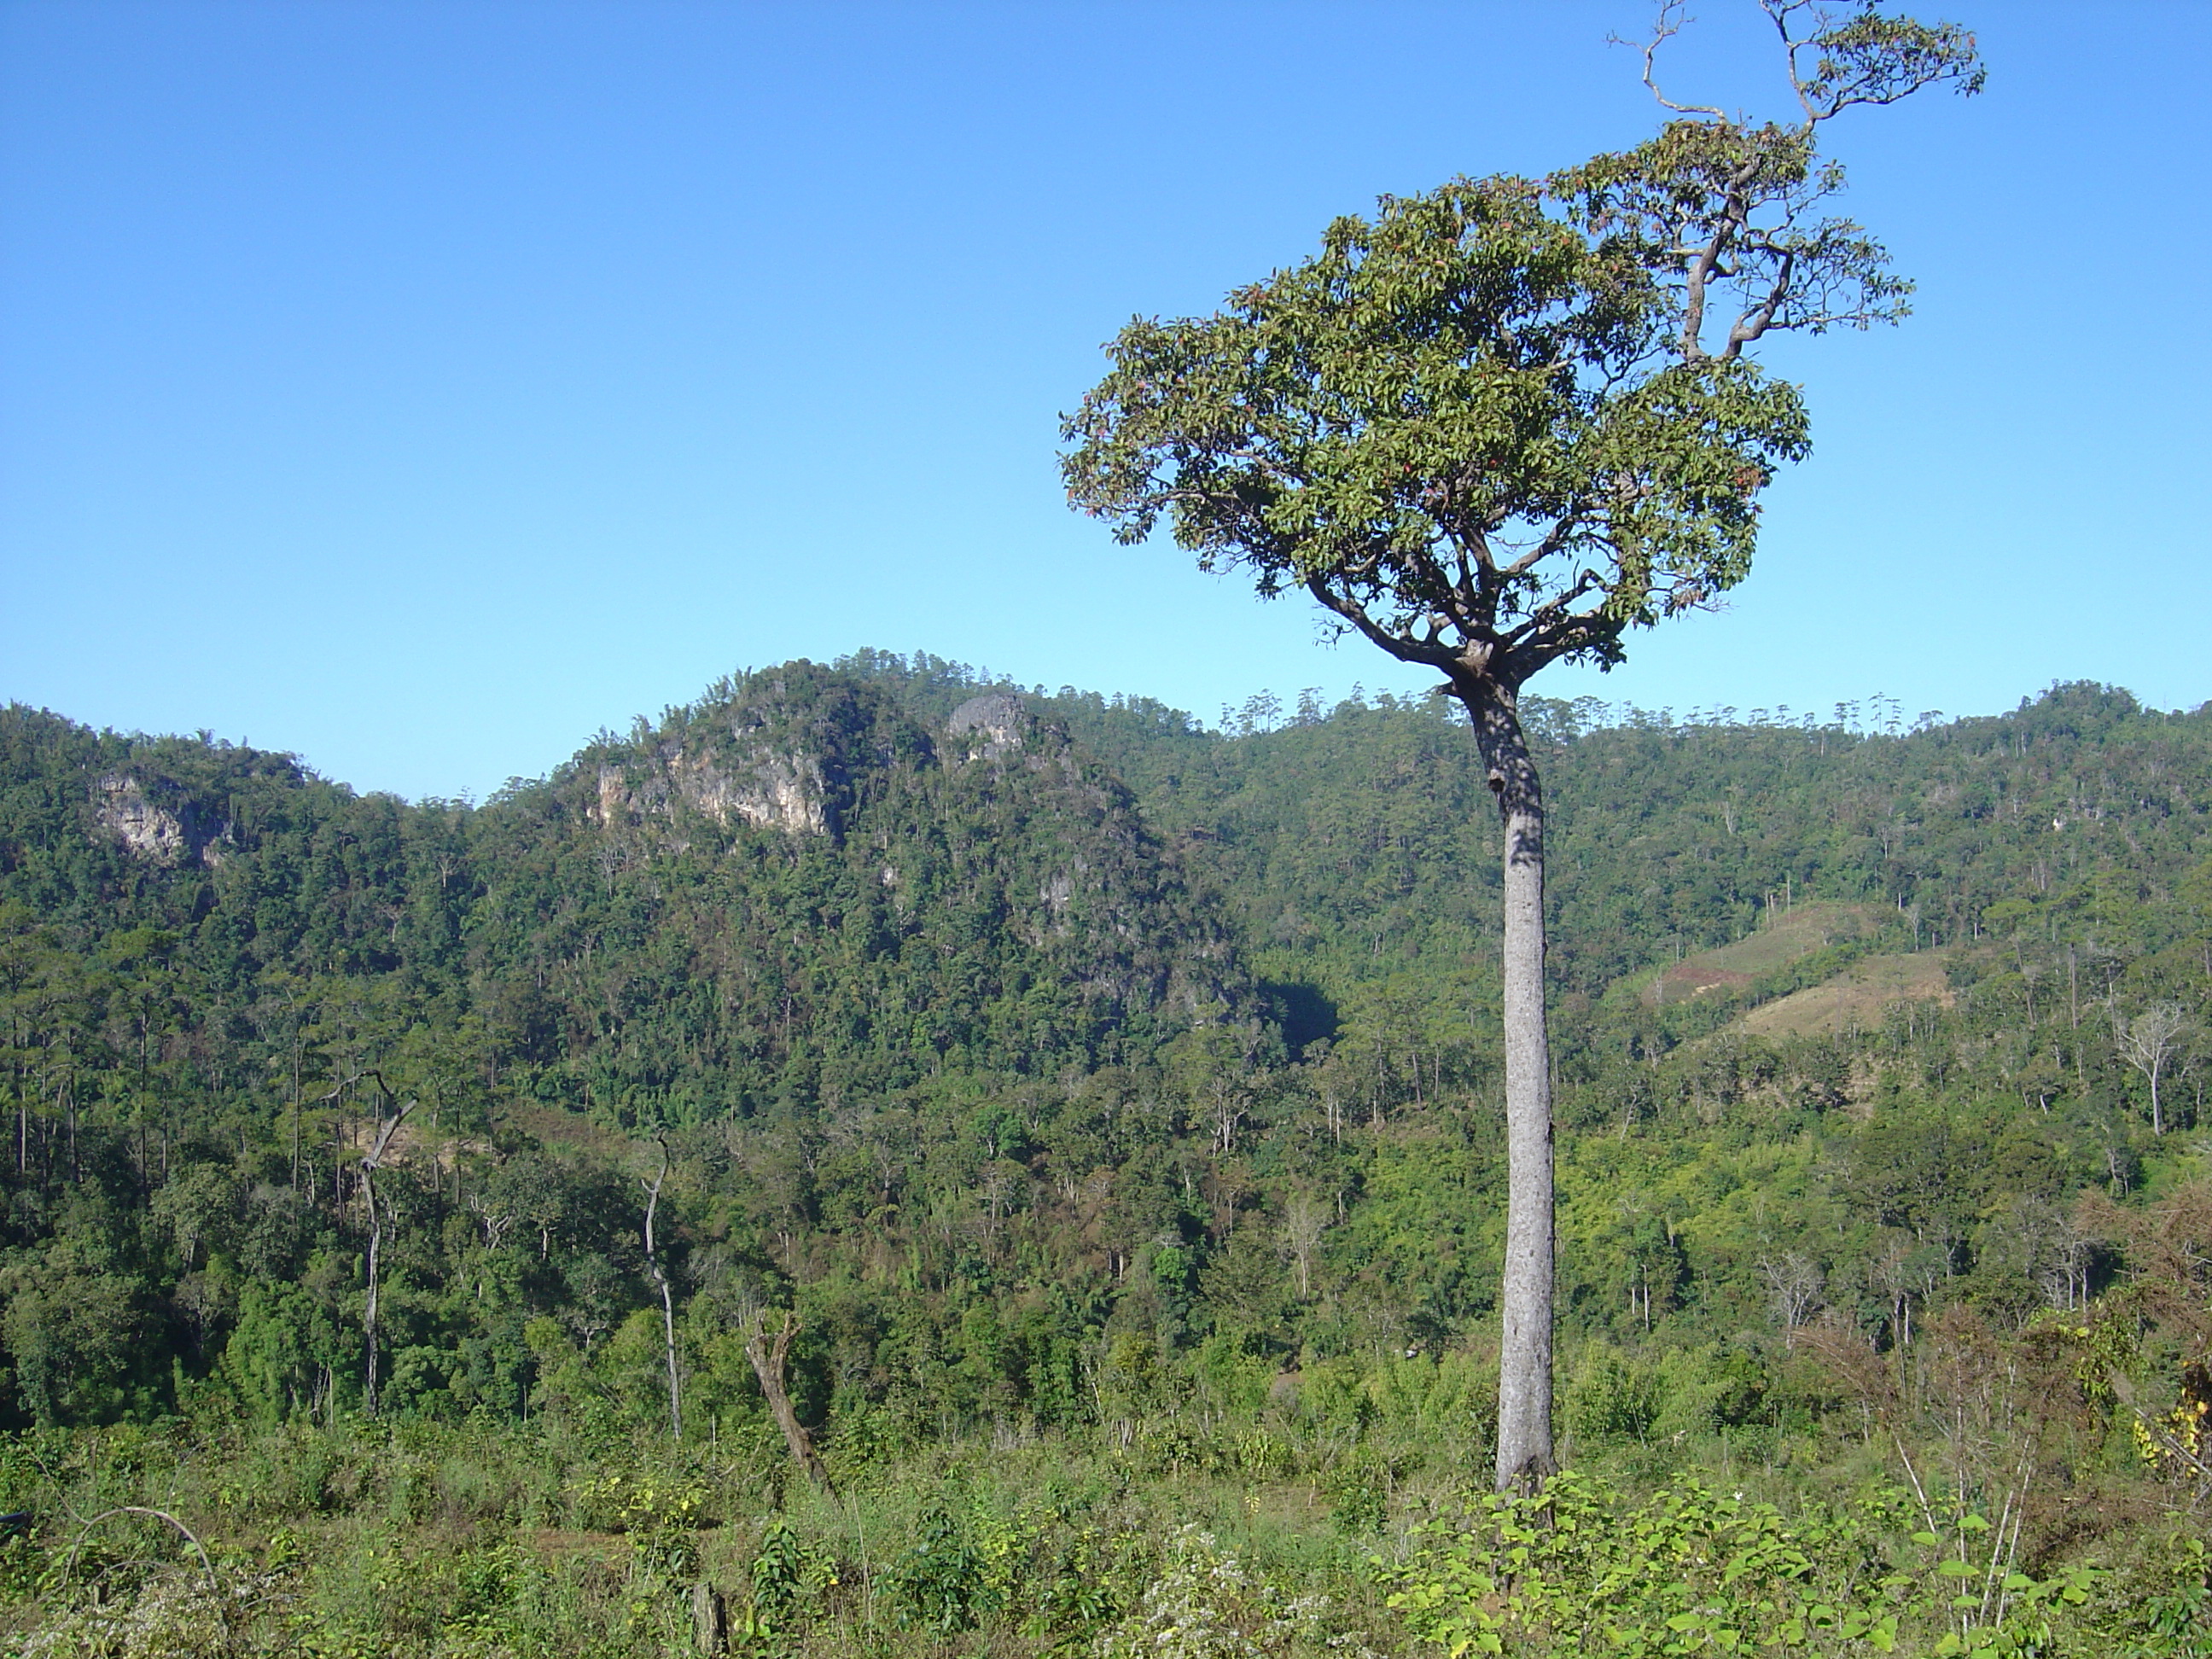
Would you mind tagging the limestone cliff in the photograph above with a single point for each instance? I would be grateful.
(157, 820)
(790, 750)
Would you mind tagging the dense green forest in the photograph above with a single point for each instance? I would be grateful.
(1092, 1120)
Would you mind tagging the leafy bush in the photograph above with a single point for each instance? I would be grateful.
(789, 1579)
(1207, 1604)
(938, 1582)
(1690, 1571)
(1616, 1399)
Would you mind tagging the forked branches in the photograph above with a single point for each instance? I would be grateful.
(1754, 226)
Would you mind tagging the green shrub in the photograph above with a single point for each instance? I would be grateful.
(1207, 1604)
(1581, 1569)
(1616, 1399)
(939, 1582)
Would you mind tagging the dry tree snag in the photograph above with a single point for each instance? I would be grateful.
(771, 1356)
(654, 1265)
(377, 1215)
(710, 1620)
(2150, 1042)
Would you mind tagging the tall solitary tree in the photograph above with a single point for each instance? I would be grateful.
(1497, 426)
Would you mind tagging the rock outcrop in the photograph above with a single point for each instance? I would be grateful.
(775, 791)
(157, 820)
(790, 750)
(993, 725)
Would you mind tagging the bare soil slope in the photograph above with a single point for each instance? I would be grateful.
(1855, 999)
(1789, 935)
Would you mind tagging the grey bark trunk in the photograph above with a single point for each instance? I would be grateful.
(660, 1273)
(368, 1309)
(1524, 1370)
(710, 1620)
(371, 1336)
(770, 1355)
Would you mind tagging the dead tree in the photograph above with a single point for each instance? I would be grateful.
(1304, 1220)
(771, 1357)
(1795, 1284)
(377, 1213)
(654, 1265)
(2149, 1042)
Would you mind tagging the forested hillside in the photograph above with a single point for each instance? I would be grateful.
(1104, 1111)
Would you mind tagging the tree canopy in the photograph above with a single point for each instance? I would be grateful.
(1500, 424)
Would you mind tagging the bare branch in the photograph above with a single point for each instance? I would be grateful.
(389, 1128)
(207, 1565)
(1674, 17)
(1754, 323)
(1557, 537)
(770, 1359)
(658, 1270)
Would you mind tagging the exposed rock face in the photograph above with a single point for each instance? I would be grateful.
(790, 751)
(155, 820)
(782, 791)
(995, 723)
(617, 803)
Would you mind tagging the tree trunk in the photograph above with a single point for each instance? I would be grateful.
(368, 1309)
(659, 1271)
(710, 1620)
(1524, 1367)
(770, 1355)
(371, 1336)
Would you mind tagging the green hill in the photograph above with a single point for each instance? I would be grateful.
(1111, 1107)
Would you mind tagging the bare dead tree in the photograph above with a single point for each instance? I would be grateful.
(1795, 1284)
(654, 1265)
(771, 1357)
(378, 1213)
(1304, 1220)
(1890, 1275)
(2149, 1042)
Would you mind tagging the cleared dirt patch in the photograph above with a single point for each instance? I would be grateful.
(1785, 937)
(1687, 980)
(1855, 999)
(550, 1126)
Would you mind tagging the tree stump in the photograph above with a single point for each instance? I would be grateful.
(710, 1620)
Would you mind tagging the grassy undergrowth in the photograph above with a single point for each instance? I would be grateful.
(1297, 1529)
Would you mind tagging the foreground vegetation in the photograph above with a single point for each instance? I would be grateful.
(1336, 1519)
(1097, 1101)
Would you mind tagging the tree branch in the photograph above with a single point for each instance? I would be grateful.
(1664, 27)
(1352, 613)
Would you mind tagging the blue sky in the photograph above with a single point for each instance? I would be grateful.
(422, 387)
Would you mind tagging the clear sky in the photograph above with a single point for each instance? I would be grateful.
(422, 386)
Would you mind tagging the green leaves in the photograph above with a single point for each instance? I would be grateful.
(1459, 420)
(1692, 1571)
(1490, 428)
(1869, 58)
